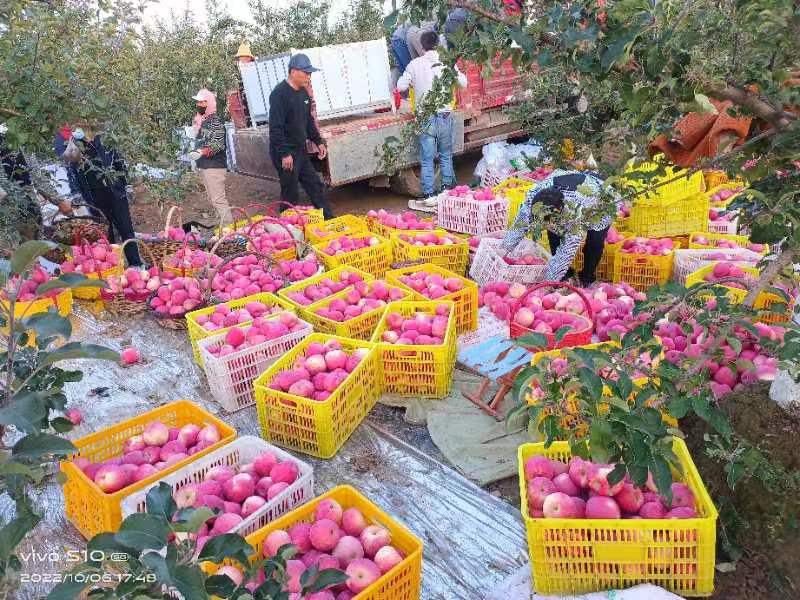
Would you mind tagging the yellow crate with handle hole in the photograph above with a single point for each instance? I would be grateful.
(578, 556)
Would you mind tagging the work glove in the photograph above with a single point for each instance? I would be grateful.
(195, 155)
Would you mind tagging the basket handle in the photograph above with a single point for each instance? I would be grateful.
(555, 284)
(141, 245)
(168, 221)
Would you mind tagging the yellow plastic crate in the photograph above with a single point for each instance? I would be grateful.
(514, 190)
(668, 217)
(417, 371)
(605, 268)
(466, 299)
(93, 293)
(358, 328)
(403, 582)
(642, 271)
(741, 240)
(344, 225)
(375, 260)
(91, 510)
(333, 274)
(62, 302)
(677, 188)
(318, 428)
(382, 230)
(577, 556)
(197, 332)
(453, 257)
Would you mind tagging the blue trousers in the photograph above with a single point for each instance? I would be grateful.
(437, 137)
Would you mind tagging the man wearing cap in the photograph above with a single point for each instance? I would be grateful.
(290, 125)
(210, 157)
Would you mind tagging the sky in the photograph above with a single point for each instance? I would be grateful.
(238, 9)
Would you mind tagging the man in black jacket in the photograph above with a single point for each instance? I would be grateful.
(290, 125)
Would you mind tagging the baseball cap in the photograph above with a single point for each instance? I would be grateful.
(301, 62)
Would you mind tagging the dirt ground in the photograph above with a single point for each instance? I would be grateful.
(356, 198)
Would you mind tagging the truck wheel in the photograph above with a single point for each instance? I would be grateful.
(406, 182)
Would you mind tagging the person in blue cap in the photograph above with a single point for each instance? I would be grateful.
(290, 125)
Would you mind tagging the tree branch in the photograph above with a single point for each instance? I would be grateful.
(486, 14)
(759, 107)
(10, 112)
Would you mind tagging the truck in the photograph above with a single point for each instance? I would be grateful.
(357, 113)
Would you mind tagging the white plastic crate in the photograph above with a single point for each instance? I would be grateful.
(726, 227)
(688, 261)
(231, 377)
(475, 217)
(488, 264)
(240, 451)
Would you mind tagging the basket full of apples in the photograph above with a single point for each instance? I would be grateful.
(99, 260)
(526, 263)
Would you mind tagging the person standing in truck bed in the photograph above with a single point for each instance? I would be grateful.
(290, 125)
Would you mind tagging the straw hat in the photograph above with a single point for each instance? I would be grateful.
(244, 50)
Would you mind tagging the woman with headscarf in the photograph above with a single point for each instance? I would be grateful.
(210, 156)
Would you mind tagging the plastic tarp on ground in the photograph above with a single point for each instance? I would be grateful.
(473, 541)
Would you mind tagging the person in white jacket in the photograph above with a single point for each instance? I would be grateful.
(421, 74)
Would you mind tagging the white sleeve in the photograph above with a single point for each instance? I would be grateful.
(562, 260)
(406, 79)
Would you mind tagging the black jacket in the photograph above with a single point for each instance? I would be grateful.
(290, 121)
(102, 169)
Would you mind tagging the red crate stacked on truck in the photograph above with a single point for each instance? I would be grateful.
(495, 89)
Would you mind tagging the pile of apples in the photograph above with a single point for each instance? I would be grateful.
(581, 490)
(298, 269)
(94, 258)
(422, 329)
(176, 297)
(345, 244)
(157, 448)
(176, 234)
(225, 316)
(525, 260)
(260, 331)
(244, 276)
(732, 369)
(612, 304)
(724, 270)
(365, 297)
(539, 173)
(407, 220)
(725, 194)
(270, 237)
(191, 259)
(430, 239)
(464, 192)
(236, 492)
(500, 297)
(337, 538)
(319, 372)
(27, 289)
(720, 215)
(432, 285)
(326, 287)
(135, 284)
(702, 240)
(648, 246)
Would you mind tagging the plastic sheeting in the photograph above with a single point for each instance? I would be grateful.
(473, 541)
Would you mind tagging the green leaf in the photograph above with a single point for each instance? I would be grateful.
(189, 581)
(108, 543)
(618, 474)
(70, 281)
(15, 531)
(662, 476)
(734, 472)
(26, 412)
(228, 545)
(704, 104)
(48, 325)
(27, 253)
(524, 40)
(561, 332)
(678, 407)
(142, 531)
(39, 445)
(61, 425)
(35, 474)
(220, 585)
(160, 503)
(532, 340)
(75, 350)
(190, 520)
(71, 587)
(591, 381)
(158, 565)
(325, 579)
